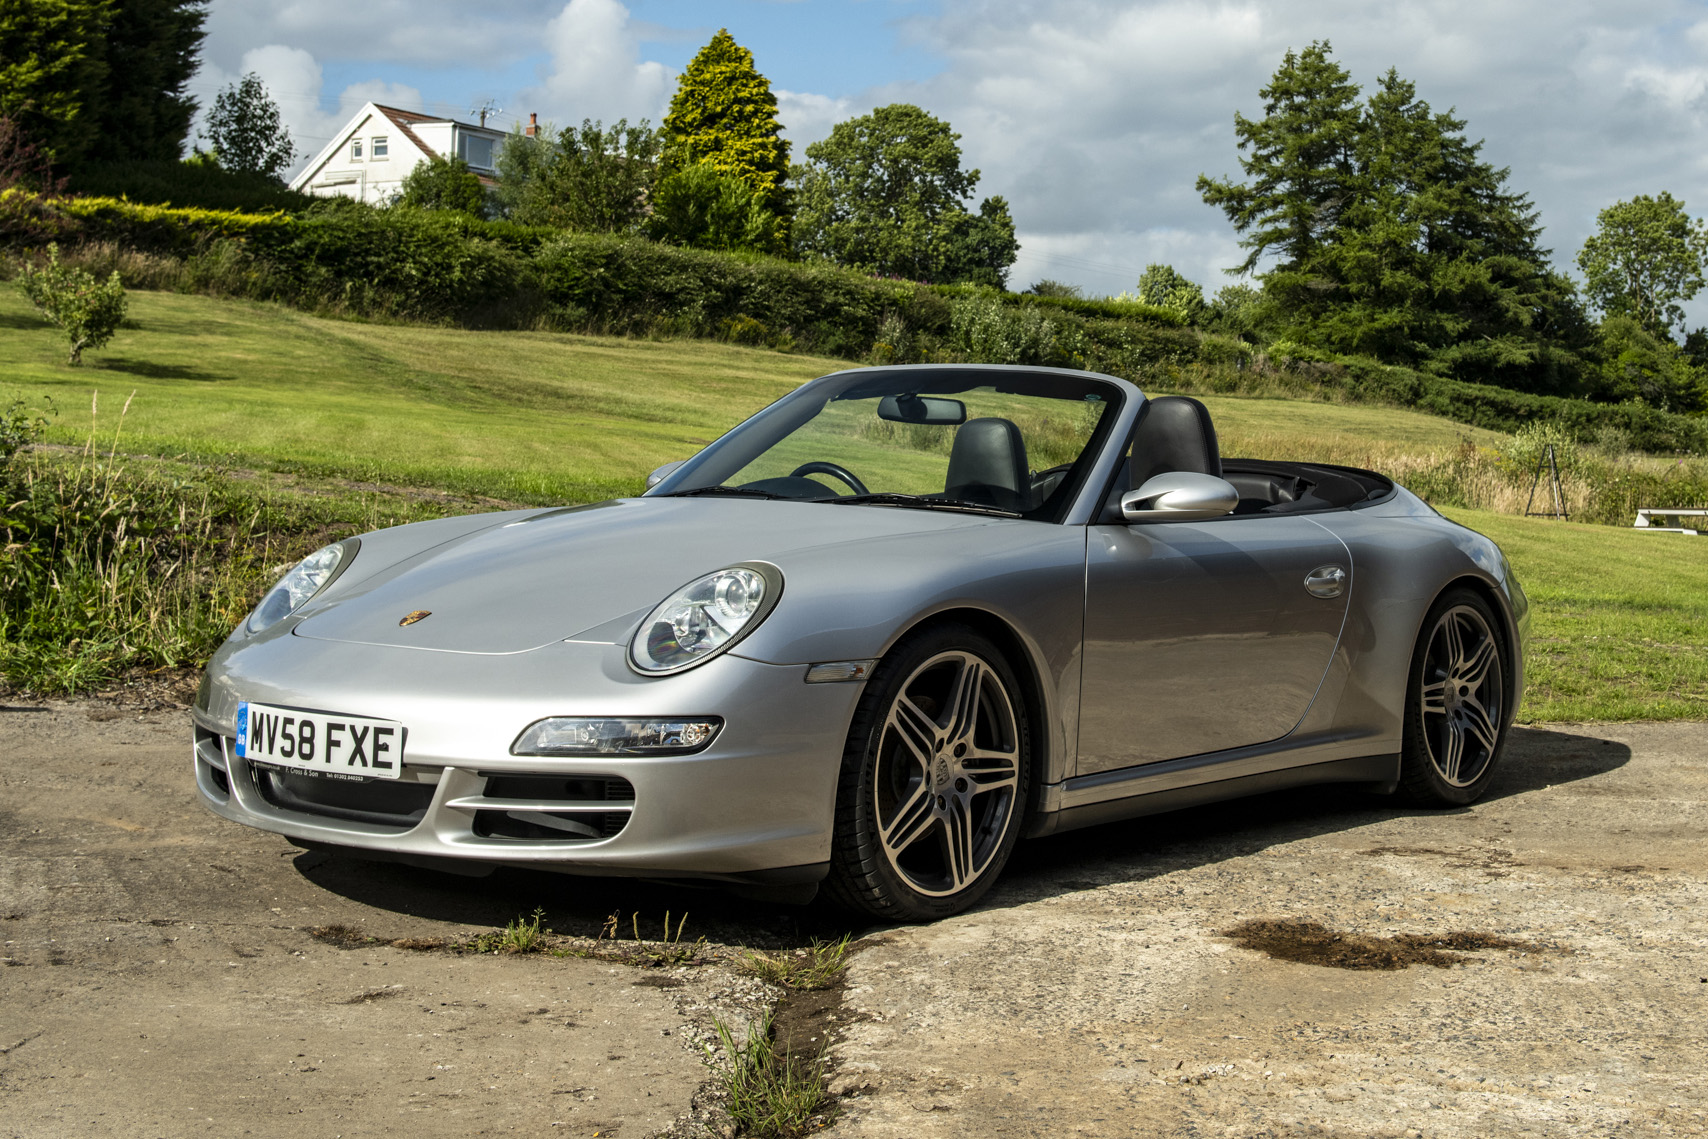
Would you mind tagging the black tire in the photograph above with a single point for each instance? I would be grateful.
(1458, 703)
(935, 779)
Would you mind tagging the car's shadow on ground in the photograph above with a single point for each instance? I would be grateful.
(1159, 844)
(1128, 851)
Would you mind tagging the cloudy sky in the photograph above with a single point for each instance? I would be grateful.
(1093, 117)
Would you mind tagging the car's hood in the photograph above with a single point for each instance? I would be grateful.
(585, 573)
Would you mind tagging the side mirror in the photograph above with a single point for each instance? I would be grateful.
(1179, 496)
(663, 473)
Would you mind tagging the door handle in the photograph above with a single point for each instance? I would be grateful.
(1326, 581)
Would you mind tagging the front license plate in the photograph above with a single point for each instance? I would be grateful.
(325, 742)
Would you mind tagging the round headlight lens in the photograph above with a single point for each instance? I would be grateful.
(704, 618)
(307, 578)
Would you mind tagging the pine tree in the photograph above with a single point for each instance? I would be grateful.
(1392, 237)
(150, 52)
(724, 114)
(51, 66)
(1303, 157)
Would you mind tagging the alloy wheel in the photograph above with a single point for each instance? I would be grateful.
(948, 769)
(1463, 696)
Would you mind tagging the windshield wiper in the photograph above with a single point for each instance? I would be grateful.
(742, 491)
(891, 498)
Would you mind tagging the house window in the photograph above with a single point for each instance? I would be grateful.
(379, 146)
(475, 151)
(355, 150)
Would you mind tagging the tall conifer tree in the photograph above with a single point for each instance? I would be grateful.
(1392, 237)
(151, 50)
(724, 114)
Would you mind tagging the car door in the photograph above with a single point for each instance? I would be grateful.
(1203, 636)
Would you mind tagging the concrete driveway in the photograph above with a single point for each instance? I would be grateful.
(1092, 995)
(159, 976)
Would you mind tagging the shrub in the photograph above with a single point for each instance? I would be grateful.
(89, 311)
(192, 184)
(444, 184)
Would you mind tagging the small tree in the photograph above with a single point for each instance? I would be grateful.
(705, 208)
(724, 114)
(444, 184)
(886, 193)
(1160, 285)
(245, 130)
(89, 311)
(1645, 256)
(589, 178)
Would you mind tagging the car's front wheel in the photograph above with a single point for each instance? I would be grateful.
(934, 779)
(1456, 703)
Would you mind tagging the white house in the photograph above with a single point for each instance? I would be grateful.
(369, 159)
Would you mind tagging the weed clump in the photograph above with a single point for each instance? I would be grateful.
(819, 966)
(773, 1093)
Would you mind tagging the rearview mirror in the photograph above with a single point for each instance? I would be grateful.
(663, 473)
(1179, 496)
(922, 409)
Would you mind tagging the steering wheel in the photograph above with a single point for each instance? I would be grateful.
(821, 468)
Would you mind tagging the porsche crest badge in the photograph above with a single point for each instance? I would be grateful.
(418, 615)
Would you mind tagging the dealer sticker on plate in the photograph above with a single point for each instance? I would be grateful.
(325, 742)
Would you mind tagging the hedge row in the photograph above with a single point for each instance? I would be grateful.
(435, 266)
(1501, 409)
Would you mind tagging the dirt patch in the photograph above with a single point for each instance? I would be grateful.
(1311, 943)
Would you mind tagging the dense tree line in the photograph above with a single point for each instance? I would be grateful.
(885, 193)
(1376, 229)
(100, 80)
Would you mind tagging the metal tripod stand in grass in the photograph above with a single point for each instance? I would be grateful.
(1556, 494)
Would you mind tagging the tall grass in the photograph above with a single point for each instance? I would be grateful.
(111, 569)
(1599, 485)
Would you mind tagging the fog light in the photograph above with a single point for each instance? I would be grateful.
(576, 736)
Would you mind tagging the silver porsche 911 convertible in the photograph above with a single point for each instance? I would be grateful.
(867, 640)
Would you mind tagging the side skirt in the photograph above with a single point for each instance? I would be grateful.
(1380, 772)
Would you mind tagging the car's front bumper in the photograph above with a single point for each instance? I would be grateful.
(757, 805)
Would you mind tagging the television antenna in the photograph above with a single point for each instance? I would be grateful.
(484, 108)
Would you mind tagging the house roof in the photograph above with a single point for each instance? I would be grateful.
(404, 121)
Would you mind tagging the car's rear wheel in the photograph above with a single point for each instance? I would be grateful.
(934, 779)
(1456, 703)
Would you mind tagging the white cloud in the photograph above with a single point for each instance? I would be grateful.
(1094, 117)
(596, 71)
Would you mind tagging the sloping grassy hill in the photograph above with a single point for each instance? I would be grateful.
(518, 416)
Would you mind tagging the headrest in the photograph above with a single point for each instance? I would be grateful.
(989, 452)
(1174, 434)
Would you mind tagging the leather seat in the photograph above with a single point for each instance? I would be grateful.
(987, 465)
(1174, 434)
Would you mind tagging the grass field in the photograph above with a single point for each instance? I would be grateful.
(517, 416)
(1619, 616)
(525, 417)
(1619, 627)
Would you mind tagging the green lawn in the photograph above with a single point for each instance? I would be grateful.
(519, 416)
(1619, 618)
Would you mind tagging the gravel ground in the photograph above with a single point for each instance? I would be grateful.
(159, 975)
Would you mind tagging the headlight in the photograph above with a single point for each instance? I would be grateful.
(564, 735)
(311, 575)
(705, 617)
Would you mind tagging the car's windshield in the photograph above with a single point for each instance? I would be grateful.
(939, 439)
